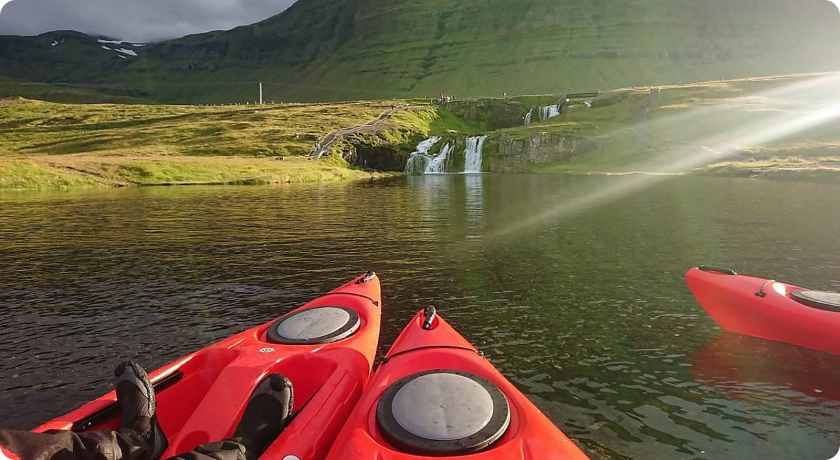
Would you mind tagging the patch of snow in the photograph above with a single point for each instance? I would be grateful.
(138, 44)
(121, 56)
(125, 51)
(113, 42)
(54, 43)
(588, 104)
(105, 48)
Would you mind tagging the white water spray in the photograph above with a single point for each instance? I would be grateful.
(549, 111)
(437, 164)
(419, 160)
(527, 120)
(472, 155)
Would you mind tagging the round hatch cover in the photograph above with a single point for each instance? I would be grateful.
(442, 412)
(818, 299)
(314, 326)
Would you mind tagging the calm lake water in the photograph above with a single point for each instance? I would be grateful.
(572, 285)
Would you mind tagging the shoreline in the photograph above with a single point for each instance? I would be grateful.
(84, 172)
(79, 172)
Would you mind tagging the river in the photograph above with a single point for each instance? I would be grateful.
(572, 285)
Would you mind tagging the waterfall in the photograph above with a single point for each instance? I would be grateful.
(438, 163)
(472, 155)
(422, 161)
(528, 117)
(416, 163)
(419, 160)
(549, 111)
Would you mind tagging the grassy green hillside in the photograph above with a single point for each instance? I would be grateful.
(321, 50)
(48, 145)
(63, 57)
(781, 128)
(63, 93)
(537, 46)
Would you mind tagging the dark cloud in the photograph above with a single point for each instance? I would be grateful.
(134, 20)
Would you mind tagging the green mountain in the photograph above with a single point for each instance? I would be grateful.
(377, 49)
(62, 56)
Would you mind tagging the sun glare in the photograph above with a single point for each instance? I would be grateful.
(699, 152)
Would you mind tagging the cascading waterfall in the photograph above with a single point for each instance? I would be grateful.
(527, 120)
(549, 111)
(419, 160)
(472, 155)
(422, 162)
(438, 163)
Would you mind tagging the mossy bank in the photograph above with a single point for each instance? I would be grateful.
(45, 145)
(769, 128)
(777, 128)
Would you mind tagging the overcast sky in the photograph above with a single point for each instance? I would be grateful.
(133, 20)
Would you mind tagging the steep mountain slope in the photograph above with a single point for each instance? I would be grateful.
(350, 49)
(533, 46)
(62, 56)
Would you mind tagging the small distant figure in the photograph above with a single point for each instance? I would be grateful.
(504, 95)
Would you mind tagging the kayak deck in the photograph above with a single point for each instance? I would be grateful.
(765, 309)
(438, 350)
(202, 396)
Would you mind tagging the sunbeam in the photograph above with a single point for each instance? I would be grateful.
(818, 82)
(699, 152)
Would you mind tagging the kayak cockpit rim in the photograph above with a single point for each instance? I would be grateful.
(712, 268)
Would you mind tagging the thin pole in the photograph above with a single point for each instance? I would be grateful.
(261, 100)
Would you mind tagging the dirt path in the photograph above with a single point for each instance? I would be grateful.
(370, 127)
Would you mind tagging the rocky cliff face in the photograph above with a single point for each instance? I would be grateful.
(381, 151)
(379, 158)
(501, 153)
(504, 153)
(489, 114)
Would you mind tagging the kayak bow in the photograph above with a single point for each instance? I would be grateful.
(435, 395)
(768, 309)
(326, 348)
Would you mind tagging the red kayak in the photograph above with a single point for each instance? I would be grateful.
(768, 309)
(326, 348)
(435, 395)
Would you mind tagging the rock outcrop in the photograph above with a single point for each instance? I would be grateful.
(504, 153)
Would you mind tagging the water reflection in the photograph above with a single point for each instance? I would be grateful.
(761, 371)
(473, 184)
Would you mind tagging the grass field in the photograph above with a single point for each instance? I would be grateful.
(50, 172)
(782, 127)
(47, 145)
(35, 127)
(65, 94)
(772, 127)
